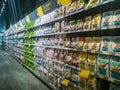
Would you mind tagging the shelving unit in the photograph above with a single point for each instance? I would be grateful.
(41, 58)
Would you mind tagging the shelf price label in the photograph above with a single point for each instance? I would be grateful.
(65, 82)
(28, 18)
(84, 74)
(21, 24)
(40, 11)
(63, 2)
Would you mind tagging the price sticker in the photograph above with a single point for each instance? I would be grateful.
(84, 74)
(65, 82)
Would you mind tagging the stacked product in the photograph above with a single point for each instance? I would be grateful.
(29, 58)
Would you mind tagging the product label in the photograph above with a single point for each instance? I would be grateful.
(96, 22)
(116, 20)
(87, 23)
(103, 63)
(87, 44)
(116, 44)
(107, 20)
(106, 44)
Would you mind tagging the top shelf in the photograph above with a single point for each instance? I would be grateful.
(75, 13)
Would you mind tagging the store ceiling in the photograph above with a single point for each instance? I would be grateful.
(14, 10)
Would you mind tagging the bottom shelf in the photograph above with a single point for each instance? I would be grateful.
(48, 82)
(33, 72)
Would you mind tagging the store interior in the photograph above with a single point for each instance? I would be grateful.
(63, 44)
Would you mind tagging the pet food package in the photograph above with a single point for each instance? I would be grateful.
(71, 7)
(56, 54)
(79, 43)
(57, 27)
(116, 45)
(72, 25)
(79, 25)
(83, 84)
(75, 59)
(91, 82)
(75, 77)
(67, 72)
(103, 65)
(116, 19)
(95, 44)
(87, 24)
(62, 54)
(83, 60)
(61, 40)
(107, 19)
(67, 42)
(91, 62)
(73, 43)
(115, 67)
(63, 26)
(80, 4)
(56, 68)
(96, 22)
(92, 3)
(68, 57)
(106, 44)
(87, 44)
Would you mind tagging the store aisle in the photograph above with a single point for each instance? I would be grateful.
(13, 76)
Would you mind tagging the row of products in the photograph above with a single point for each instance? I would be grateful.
(28, 56)
(101, 64)
(103, 44)
(75, 6)
(29, 33)
(107, 20)
(69, 8)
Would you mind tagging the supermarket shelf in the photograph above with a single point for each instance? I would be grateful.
(83, 33)
(88, 51)
(71, 49)
(109, 79)
(67, 16)
(71, 14)
(99, 76)
(34, 73)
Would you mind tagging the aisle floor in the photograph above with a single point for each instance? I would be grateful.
(13, 76)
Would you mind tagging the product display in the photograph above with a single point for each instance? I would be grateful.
(106, 44)
(78, 37)
(115, 67)
(87, 44)
(107, 20)
(87, 24)
(116, 45)
(103, 65)
(96, 22)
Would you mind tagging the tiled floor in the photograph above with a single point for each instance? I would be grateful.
(14, 76)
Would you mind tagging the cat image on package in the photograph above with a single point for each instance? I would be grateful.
(115, 67)
(107, 19)
(87, 44)
(116, 19)
(106, 44)
(116, 44)
(103, 65)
